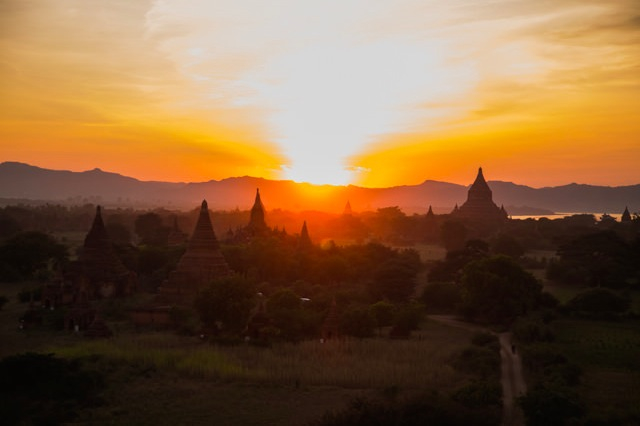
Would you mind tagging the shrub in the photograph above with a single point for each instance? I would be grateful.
(598, 301)
(480, 393)
(357, 321)
(441, 296)
(480, 361)
(550, 406)
(42, 389)
(531, 331)
(430, 410)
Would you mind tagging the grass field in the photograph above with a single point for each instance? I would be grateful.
(162, 378)
(609, 355)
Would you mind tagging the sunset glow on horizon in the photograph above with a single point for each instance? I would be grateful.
(372, 93)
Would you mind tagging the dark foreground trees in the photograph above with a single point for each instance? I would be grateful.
(40, 389)
(27, 254)
(497, 290)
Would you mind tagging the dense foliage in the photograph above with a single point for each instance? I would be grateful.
(498, 290)
(44, 390)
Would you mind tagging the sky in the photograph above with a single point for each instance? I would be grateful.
(367, 92)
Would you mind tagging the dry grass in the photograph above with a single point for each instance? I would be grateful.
(358, 364)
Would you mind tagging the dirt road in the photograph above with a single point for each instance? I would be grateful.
(513, 384)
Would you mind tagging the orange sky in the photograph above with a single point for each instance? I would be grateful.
(370, 92)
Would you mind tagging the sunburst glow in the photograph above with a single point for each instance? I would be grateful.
(375, 93)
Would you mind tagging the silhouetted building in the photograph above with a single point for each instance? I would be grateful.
(347, 209)
(257, 223)
(200, 264)
(98, 263)
(626, 216)
(479, 206)
(81, 314)
(305, 240)
(430, 215)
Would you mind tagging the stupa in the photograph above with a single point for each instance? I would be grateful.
(479, 206)
(200, 264)
(98, 263)
(257, 224)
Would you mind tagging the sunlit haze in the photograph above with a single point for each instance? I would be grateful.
(375, 93)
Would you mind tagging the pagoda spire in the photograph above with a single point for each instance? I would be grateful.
(347, 209)
(480, 189)
(203, 234)
(430, 214)
(257, 221)
(97, 236)
(626, 216)
(305, 240)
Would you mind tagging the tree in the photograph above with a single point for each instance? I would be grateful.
(118, 232)
(149, 228)
(599, 301)
(292, 316)
(393, 280)
(453, 235)
(382, 313)
(40, 389)
(30, 251)
(507, 245)
(497, 289)
(597, 259)
(357, 321)
(441, 297)
(227, 301)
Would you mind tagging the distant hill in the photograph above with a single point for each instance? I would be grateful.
(20, 181)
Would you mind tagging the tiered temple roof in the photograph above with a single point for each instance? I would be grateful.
(257, 222)
(347, 209)
(479, 206)
(99, 263)
(201, 263)
(305, 239)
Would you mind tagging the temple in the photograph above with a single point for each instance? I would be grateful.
(626, 216)
(347, 210)
(98, 262)
(305, 239)
(257, 223)
(479, 206)
(200, 264)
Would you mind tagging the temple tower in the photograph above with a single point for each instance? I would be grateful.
(347, 210)
(626, 216)
(305, 240)
(200, 264)
(479, 206)
(257, 223)
(99, 263)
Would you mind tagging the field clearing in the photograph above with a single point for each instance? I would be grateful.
(614, 345)
(609, 354)
(422, 362)
(162, 378)
(170, 399)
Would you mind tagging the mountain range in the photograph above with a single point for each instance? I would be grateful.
(24, 183)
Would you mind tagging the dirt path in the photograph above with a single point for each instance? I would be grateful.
(513, 384)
